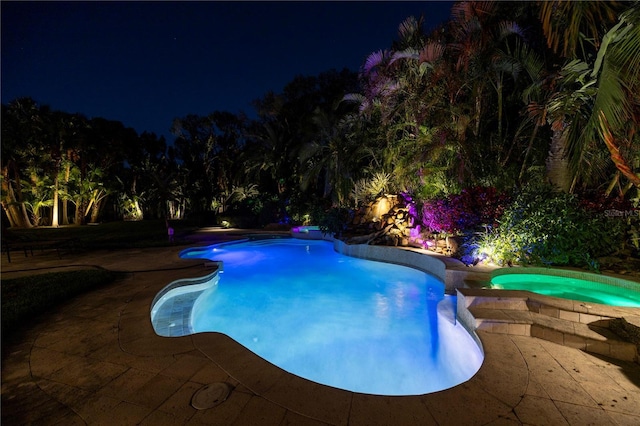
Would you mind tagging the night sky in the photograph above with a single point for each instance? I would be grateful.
(145, 63)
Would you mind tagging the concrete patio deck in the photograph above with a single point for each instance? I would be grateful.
(96, 360)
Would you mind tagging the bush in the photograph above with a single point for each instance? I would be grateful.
(468, 211)
(544, 227)
(335, 221)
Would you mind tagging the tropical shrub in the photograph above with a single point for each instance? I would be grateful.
(335, 221)
(544, 227)
(470, 210)
(624, 211)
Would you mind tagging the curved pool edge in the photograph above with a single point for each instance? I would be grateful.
(163, 320)
(607, 279)
(499, 388)
(420, 261)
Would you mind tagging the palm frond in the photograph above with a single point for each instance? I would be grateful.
(309, 150)
(619, 74)
(503, 62)
(431, 52)
(612, 99)
(408, 53)
(626, 50)
(567, 23)
(374, 60)
(410, 28)
(356, 98)
(507, 28)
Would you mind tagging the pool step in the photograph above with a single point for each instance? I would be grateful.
(447, 308)
(515, 313)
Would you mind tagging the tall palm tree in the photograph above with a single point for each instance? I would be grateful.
(333, 155)
(19, 123)
(270, 153)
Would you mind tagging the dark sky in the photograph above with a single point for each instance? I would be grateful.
(145, 63)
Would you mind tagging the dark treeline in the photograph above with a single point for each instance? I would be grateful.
(61, 168)
(503, 94)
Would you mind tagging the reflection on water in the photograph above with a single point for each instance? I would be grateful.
(354, 324)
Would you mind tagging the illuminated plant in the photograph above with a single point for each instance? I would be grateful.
(544, 227)
(469, 211)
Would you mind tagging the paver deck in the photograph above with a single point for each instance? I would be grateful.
(96, 360)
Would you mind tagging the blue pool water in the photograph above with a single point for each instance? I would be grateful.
(350, 323)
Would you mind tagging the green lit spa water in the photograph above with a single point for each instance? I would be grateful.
(569, 288)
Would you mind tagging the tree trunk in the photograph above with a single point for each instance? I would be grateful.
(12, 205)
(526, 154)
(95, 210)
(476, 130)
(80, 202)
(77, 217)
(558, 173)
(55, 209)
(81, 211)
(65, 202)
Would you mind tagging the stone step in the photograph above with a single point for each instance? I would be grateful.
(551, 306)
(594, 338)
(493, 299)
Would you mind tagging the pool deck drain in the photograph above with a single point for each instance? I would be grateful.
(210, 396)
(96, 360)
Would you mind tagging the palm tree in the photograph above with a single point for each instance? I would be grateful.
(400, 98)
(596, 100)
(270, 151)
(38, 188)
(617, 106)
(332, 156)
(567, 24)
(19, 122)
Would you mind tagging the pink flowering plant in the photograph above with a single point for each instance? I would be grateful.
(471, 210)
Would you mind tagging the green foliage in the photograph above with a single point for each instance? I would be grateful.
(543, 227)
(335, 221)
(23, 298)
(368, 189)
(477, 102)
(130, 207)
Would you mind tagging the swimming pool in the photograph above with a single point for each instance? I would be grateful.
(351, 323)
(615, 293)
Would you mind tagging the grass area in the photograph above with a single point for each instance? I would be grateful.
(26, 297)
(112, 235)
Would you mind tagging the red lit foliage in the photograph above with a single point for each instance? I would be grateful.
(470, 210)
